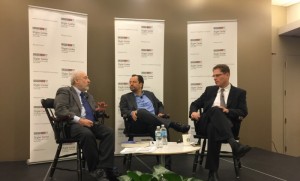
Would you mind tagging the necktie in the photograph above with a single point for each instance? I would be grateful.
(88, 110)
(222, 100)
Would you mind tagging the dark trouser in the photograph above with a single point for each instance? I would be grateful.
(218, 129)
(97, 156)
(147, 122)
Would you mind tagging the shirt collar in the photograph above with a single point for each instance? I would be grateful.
(77, 90)
(135, 95)
(226, 89)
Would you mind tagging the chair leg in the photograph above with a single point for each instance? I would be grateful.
(202, 152)
(79, 162)
(53, 167)
(237, 164)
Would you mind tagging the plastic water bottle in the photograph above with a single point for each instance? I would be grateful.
(164, 135)
(158, 137)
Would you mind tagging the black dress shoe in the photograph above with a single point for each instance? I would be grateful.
(240, 150)
(112, 173)
(99, 175)
(180, 127)
(213, 176)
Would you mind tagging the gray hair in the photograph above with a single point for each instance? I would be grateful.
(75, 76)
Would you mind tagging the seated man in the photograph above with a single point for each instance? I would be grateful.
(223, 105)
(80, 106)
(144, 109)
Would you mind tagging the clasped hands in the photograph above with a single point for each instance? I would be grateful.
(196, 115)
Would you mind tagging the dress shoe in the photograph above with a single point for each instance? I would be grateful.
(240, 150)
(99, 175)
(112, 173)
(213, 176)
(180, 127)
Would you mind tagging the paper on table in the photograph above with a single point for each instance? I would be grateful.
(138, 150)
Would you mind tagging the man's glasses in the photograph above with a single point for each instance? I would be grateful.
(217, 75)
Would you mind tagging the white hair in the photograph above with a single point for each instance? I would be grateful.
(75, 76)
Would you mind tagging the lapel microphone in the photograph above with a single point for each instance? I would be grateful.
(86, 96)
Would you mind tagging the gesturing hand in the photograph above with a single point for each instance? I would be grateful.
(101, 106)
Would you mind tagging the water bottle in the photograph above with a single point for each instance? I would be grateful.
(158, 137)
(164, 135)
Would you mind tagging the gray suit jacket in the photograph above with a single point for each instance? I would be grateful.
(128, 103)
(67, 102)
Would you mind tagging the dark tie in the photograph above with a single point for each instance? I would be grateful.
(222, 100)
(88, 110)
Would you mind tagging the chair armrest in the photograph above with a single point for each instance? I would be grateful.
(62, 119)
(101, 114)
(125, 117)
(166, 116)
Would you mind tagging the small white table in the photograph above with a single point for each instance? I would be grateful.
(172, 148)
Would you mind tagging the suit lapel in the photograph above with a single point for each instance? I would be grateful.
(132, 100)
(214, 92)
(230, 95)
(75, 97)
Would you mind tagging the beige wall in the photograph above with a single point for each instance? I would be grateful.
(254, 59)
(282, 46)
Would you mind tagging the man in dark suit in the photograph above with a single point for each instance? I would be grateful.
(144, 109)
(223, 107)
(80, 106)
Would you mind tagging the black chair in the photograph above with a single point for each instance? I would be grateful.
(236, 161)
(132, 133)
(62, 136)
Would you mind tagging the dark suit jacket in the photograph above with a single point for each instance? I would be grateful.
(128, 103)
(67, 102)
(236, 103)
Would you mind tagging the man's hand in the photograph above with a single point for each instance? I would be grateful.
(195, 116)
(225, 110)
(134, 115)
(160, 114)
(101, 106)
(85, 122)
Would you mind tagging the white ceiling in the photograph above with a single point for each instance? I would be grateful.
(284, 2)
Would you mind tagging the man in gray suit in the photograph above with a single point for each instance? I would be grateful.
(223, 106)
(80, 106)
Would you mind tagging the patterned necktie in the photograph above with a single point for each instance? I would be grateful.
(222, 100)
(88, 110)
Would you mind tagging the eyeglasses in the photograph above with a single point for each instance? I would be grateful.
(217, 75)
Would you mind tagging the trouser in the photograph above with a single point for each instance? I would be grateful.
(218, 129)
(147, 122)
(97, 155)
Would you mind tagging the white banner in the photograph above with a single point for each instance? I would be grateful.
(139, 49)
(209, 43)
(57, 47)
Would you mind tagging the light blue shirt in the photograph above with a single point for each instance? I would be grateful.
(143, 102)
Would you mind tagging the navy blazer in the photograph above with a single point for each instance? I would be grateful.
(236, 103)
(128, 103)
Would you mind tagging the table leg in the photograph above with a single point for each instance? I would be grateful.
(163, 160)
